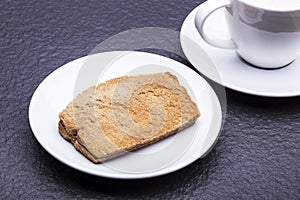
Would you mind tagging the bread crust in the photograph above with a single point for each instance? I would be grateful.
(125, 114)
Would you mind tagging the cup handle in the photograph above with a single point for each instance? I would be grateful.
(202, 14)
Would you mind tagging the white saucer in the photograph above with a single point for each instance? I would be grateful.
(230, 70)
(54, 93)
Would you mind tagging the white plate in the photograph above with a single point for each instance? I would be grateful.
(230, 71)
(54, 93)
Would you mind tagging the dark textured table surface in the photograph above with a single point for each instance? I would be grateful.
(256, 157)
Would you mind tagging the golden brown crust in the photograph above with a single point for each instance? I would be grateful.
(63, 132)
(125, 114)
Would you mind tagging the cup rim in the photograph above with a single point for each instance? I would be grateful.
(260, 6)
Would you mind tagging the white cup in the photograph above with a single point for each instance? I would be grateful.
(265, 33)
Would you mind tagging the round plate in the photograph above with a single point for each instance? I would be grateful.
(59, 88)
(230, 70)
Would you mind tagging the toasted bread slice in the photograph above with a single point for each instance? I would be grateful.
(125, 114)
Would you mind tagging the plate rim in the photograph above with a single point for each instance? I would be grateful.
(227, 83)
(125, 175)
